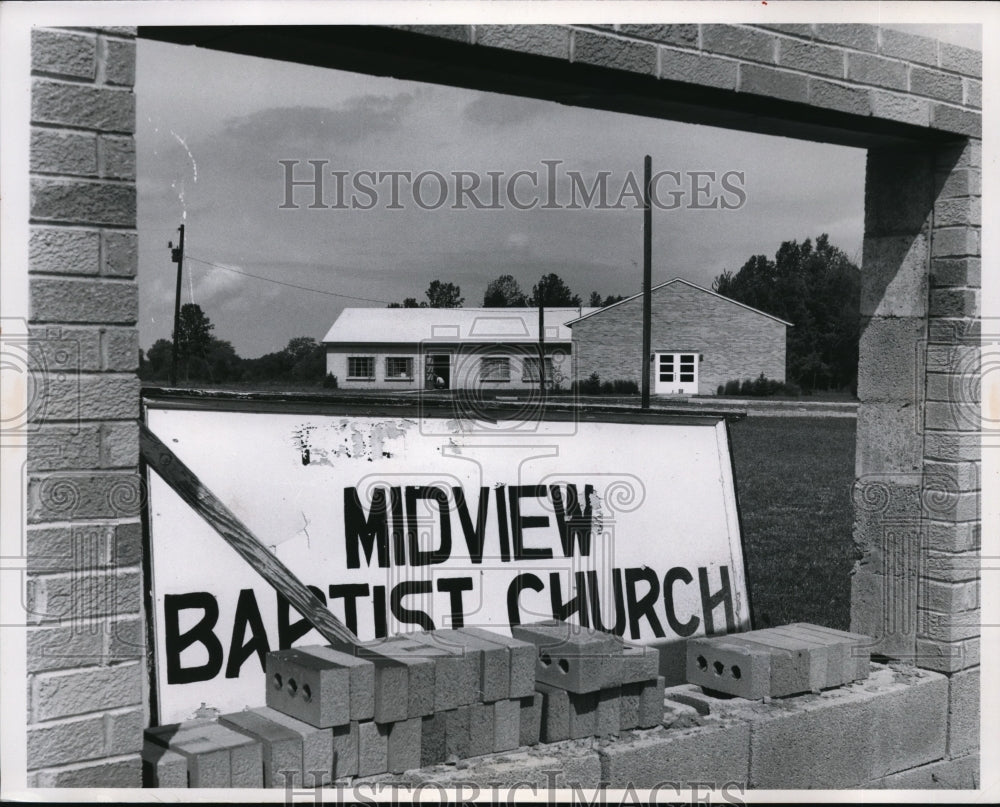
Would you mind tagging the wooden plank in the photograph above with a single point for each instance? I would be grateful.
(186, 484)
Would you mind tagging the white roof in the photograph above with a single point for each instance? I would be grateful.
(386, 325)
(593, 311)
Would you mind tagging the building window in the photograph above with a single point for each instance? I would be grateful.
(687, 368)
(530, 367)
(667, 367)
(361, 367)
(495, 369)
(399, 368)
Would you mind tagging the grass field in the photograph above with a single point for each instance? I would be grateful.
(794, 478)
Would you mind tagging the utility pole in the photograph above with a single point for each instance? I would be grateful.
(647, 275)
(177, 256)
(541, 337)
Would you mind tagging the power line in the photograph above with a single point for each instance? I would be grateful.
(285, 283)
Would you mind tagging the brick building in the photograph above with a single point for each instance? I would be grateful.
(914, 103)
(699, 340)
(466, 348)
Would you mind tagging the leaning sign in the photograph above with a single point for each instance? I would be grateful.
(403, 518)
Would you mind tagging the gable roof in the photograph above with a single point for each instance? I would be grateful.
(573, 322)
(387, 325)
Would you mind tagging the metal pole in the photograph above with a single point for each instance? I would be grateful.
(647, 274)
(541, 337)
(177, 255)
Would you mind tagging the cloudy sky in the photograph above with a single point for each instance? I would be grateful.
(212, 127)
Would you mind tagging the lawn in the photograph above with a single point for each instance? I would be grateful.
(794, 478)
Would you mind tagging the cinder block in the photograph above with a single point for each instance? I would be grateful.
(724, 665)
(403, 745)
(775, 83)
(83, 202)
(619, 54)
(282, 747)
(457, 727)
(960, 59)
(628, 709)
(245, 755)
(345, 750)
(858, 657)
(574, 658)
(583, 714)
(317, 744)
(794, 666)
(433, 733)
(481, 729)
(609, 712)
(420, 689)
(639, 663)
(494, 679)
(82, 106)
(955, 119)
(391, 683)
(308, 687)
(651, 703)
(207, 763)
(739, 41)
(362, 679)
(373, 748)
(543, 40)
(715, 753)
(554, 714)
(835, 653)
(530, 719)
(162, 767)
(457, 669)
(506, 724)
(215, 755)
(865, 68)
(64, 53)
(522, 660)
(963, 712)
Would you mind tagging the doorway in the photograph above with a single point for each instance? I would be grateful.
(676, 373)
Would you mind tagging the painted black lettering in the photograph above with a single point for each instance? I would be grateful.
(247, 616)
(202, 632)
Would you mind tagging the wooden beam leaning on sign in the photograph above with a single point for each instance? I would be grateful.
(206, 504)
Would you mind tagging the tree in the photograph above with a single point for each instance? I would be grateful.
(597, 302)
(409, 302)
(157, 364)
(551, 290)
(444, 295)
(194, 336)
(816, 288)
(504, 292)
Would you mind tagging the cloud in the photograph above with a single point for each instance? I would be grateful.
(358, 117)
(504, 110)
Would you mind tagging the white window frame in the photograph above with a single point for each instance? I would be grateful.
(498, 363)
(407, 375)
(368, 377)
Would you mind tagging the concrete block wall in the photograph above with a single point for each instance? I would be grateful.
(733, 341)
(85, 642)
(917, 526)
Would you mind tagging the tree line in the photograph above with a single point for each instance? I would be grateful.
(204, 357)
(813, 285)
(505, 292)
(817, 288)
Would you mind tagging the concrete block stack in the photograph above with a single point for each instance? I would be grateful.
(592, 683)
(780, 661)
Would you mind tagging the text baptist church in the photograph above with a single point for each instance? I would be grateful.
(700, 340)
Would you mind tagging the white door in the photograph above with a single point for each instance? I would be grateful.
(676, 373)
